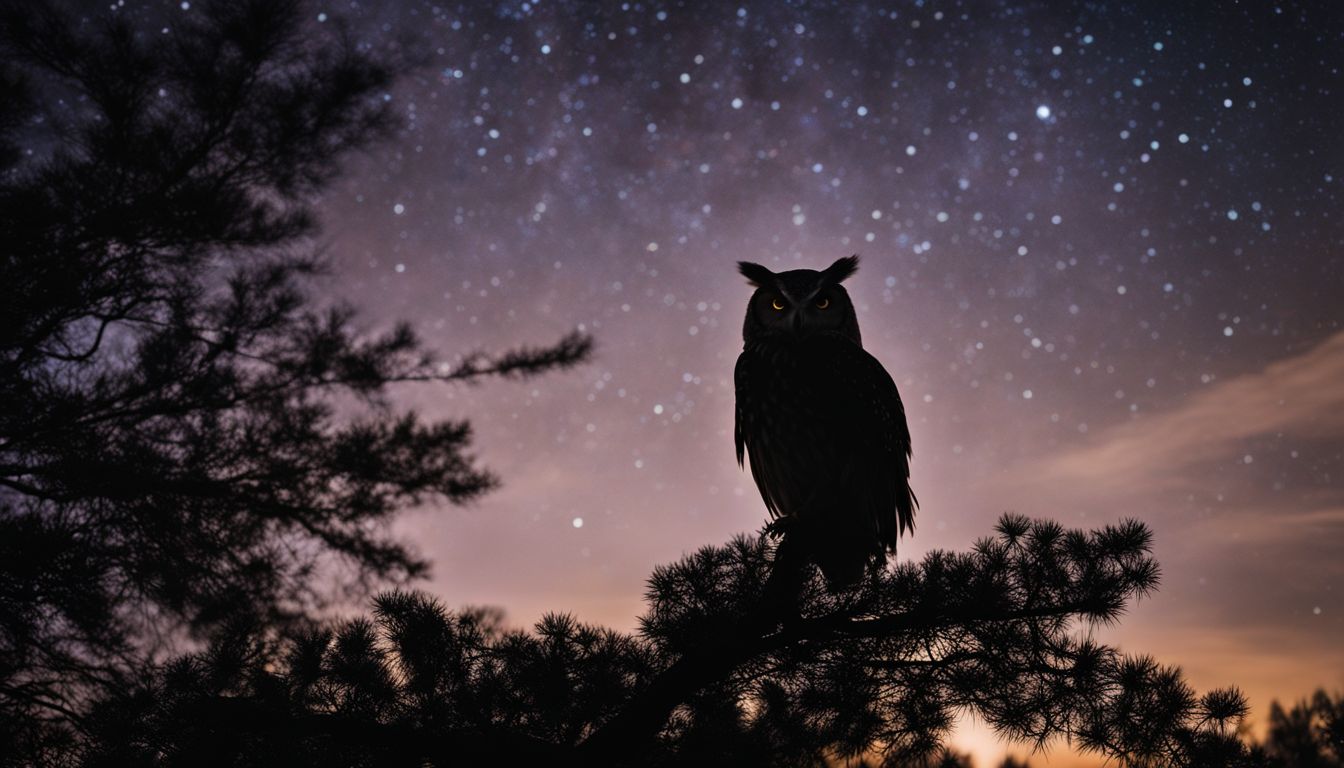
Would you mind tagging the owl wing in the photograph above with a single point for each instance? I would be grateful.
(741, 390)
(748, 420)
(775, 427)
(880, 473)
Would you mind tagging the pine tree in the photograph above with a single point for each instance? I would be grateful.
(874, 673)
(1310, 734)
(172, 453)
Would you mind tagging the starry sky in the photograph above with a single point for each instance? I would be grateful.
(1100, 257)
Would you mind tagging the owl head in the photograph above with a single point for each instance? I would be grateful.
(800, 302)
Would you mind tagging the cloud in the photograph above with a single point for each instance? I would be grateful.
(1302, 396)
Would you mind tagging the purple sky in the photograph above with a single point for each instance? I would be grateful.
(1101, 259)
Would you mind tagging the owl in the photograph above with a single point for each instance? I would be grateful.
(821, 421)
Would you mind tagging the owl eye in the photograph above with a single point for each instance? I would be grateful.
(823, 303)
(777, 304)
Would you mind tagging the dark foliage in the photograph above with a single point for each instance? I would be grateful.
(876, 673)
(187, 436)
(1310, 735)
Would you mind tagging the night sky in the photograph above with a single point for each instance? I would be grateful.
(1100, 257)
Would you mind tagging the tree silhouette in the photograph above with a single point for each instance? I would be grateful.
(883, 669)
(187, 436)
(1310, 734)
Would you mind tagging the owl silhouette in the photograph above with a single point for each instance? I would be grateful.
(821, 421)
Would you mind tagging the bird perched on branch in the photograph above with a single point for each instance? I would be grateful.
(821, 421)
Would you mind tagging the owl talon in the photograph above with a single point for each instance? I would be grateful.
(779, 528)
(875, 569)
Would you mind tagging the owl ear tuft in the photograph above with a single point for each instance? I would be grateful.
(841, 269)
(756, 274)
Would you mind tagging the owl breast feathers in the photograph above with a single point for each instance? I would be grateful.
(821, 421)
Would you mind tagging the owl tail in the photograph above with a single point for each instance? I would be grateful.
(842, 570)
(841, 547)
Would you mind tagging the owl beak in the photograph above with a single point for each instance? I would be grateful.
(797, 322)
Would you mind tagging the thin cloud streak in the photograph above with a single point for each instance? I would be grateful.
(1302, 395)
